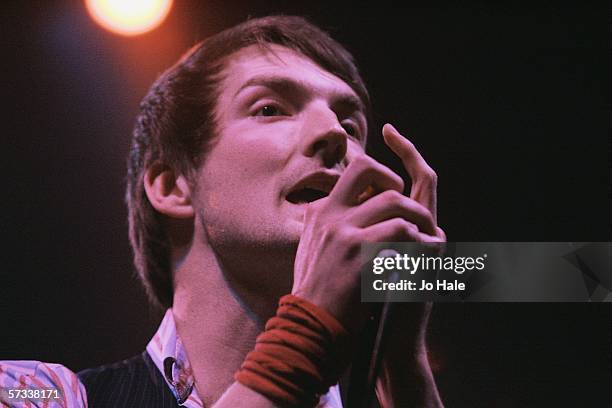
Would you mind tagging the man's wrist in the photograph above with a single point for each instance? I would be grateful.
(298, 357)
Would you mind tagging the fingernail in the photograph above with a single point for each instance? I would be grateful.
(392, 128)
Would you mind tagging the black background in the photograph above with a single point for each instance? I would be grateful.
(507, 104)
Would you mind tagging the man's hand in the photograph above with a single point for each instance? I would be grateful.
(327, 264)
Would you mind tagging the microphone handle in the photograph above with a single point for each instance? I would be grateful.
(369, 353)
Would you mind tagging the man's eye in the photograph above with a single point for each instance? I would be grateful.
(268, 110)
(349, 129)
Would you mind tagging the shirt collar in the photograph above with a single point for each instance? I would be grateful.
(168, 354)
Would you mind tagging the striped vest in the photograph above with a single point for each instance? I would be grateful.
(132, 383)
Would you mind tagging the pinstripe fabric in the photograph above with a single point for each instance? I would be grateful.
(133, 383)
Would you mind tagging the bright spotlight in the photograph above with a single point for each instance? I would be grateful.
(129, 17)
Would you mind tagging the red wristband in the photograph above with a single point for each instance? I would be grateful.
(301, 353)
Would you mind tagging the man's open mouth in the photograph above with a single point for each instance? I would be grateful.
(306, 195)
(313, 187)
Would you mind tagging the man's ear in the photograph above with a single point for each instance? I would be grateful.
(168, 191)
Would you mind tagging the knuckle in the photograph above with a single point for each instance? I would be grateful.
(427, 215)
(362, 162)
(338, 231)
(368, 167)
(391, 197)
(395, 199)
(396, 224)
(430, 175)
(403, 228)
(441, 233)
(410, 229)
(372, 169)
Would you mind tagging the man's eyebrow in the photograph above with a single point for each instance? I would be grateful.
(346, 102)
(275, 83)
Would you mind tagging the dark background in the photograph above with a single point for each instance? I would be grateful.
(508, 105)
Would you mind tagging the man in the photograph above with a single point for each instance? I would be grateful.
(248, 180)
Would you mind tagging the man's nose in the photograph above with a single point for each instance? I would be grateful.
(324, 136)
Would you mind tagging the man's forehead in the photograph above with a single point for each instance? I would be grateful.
(277, 65)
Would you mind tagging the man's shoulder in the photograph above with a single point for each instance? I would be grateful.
(134, 382)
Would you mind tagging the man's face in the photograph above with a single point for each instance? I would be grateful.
(286, 131)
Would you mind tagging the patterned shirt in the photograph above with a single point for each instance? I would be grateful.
(165, 349)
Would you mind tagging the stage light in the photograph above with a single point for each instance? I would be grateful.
(129, 17)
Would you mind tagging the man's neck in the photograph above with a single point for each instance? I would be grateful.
(218, 316)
